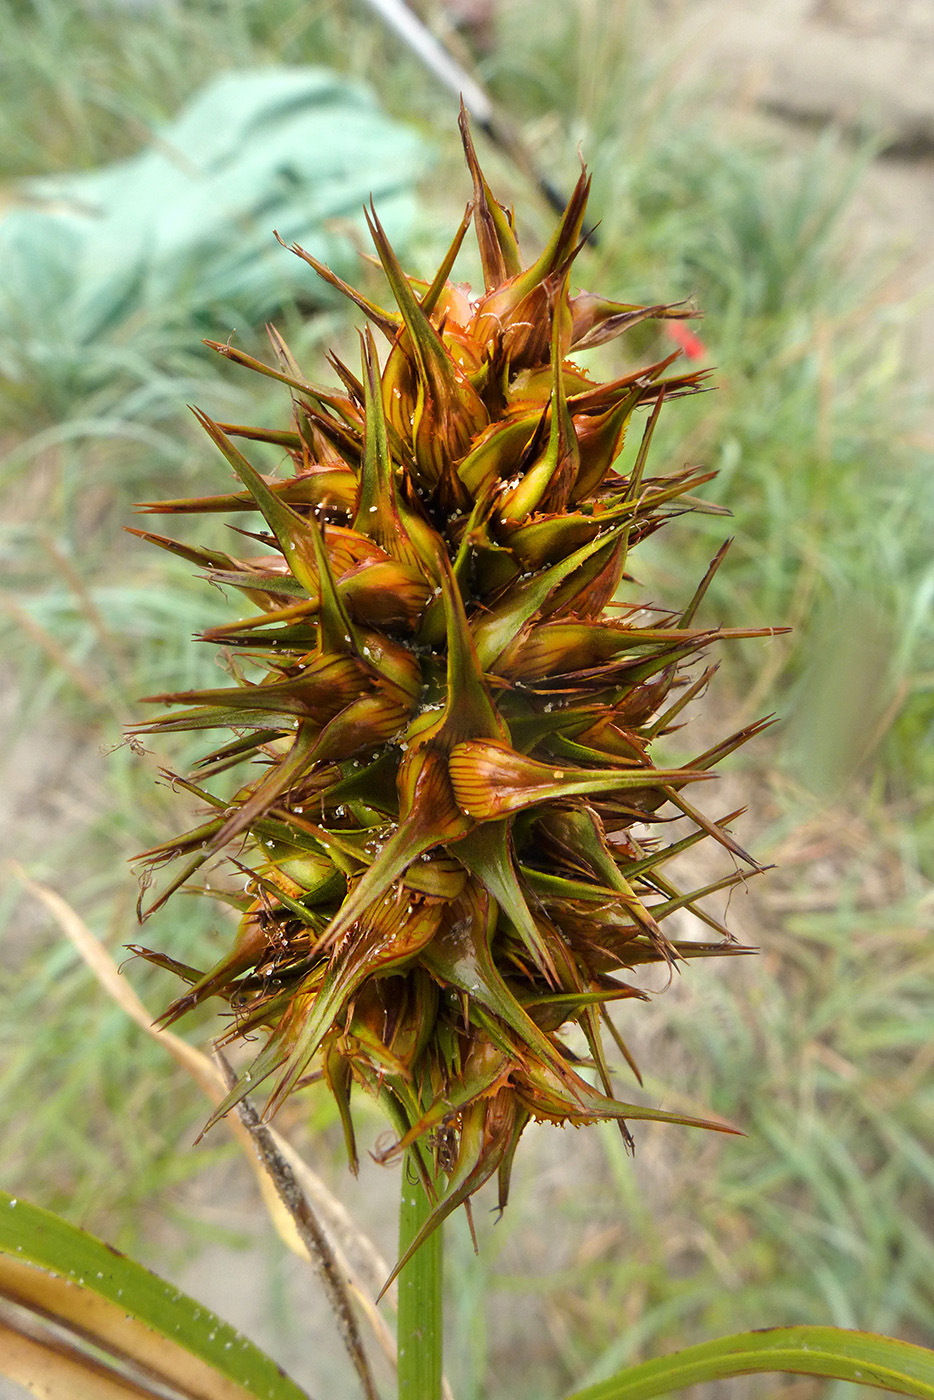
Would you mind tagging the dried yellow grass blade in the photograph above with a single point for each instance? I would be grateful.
(109, 1327)
(343, 1235)
(55, 1371)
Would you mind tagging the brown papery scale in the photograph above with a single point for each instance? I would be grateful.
(446, 761)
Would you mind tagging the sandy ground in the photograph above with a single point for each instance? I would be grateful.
(866, 63)
(864, 66)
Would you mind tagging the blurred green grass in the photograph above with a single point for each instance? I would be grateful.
(820, 1048)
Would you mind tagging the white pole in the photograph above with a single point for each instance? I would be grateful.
(410, 28)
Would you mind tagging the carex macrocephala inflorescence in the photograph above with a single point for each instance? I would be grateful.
(454, 836)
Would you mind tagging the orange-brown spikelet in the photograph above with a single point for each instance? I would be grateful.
(448, 757)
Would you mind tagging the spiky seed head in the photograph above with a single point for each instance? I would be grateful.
(448, 771)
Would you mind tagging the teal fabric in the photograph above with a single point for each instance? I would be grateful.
(183, 231)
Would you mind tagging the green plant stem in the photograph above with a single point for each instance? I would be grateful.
(421, 1303)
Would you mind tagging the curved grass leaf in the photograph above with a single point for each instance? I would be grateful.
(60, 1372)
(862, 1357)
(60, 1273)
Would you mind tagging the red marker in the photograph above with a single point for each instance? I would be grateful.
(691, 344)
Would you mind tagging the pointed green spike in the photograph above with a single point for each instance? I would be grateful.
(634, 485)
(339, 1078)
(687, 617)
(593, 1104)
(600, 439)
(211, 717)
(251, 944)
(182, 970)
(687, 696)
(503, 299)
(292, 532)
(528, 730)
(537, 542)
(380, 515)
(447, 412)
(269, 1059)
(592, 845)
(547, 484)
(602, 396)
(436, 366)
(278, 780)
(323, 397)
(439, 281)
(735, 741)
(556, 888)
(194, 863)
(336, 632)
(479, 1154)
(463, 958)
(589, 1023)
(283, 354)
(597, 320)
(279, 698)
(485, 1065)
(504, 1173)
(621, 1045)
(573, 1001)
(274, 584)
(682, 901)
(343, 436)
(337, 486)
(430, 819)
(204, 558)
(586, 755)
(351, 849)
(376, 495)
(305, 915)
(493, 633)
(276, 437)
(351, 383)
(387, 322)
(267, 626)
(486, 854)
(663, 885)
(499, 251)
(496, 451)
(372, 784)
(315, 694)
(700, 819)
(641, 954)
(189, 785)
(376, 950)
(664, 854)
(636, 671)
(469, 708)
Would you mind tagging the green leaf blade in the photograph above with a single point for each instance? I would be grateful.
(37, 1237)
(864, 1358)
